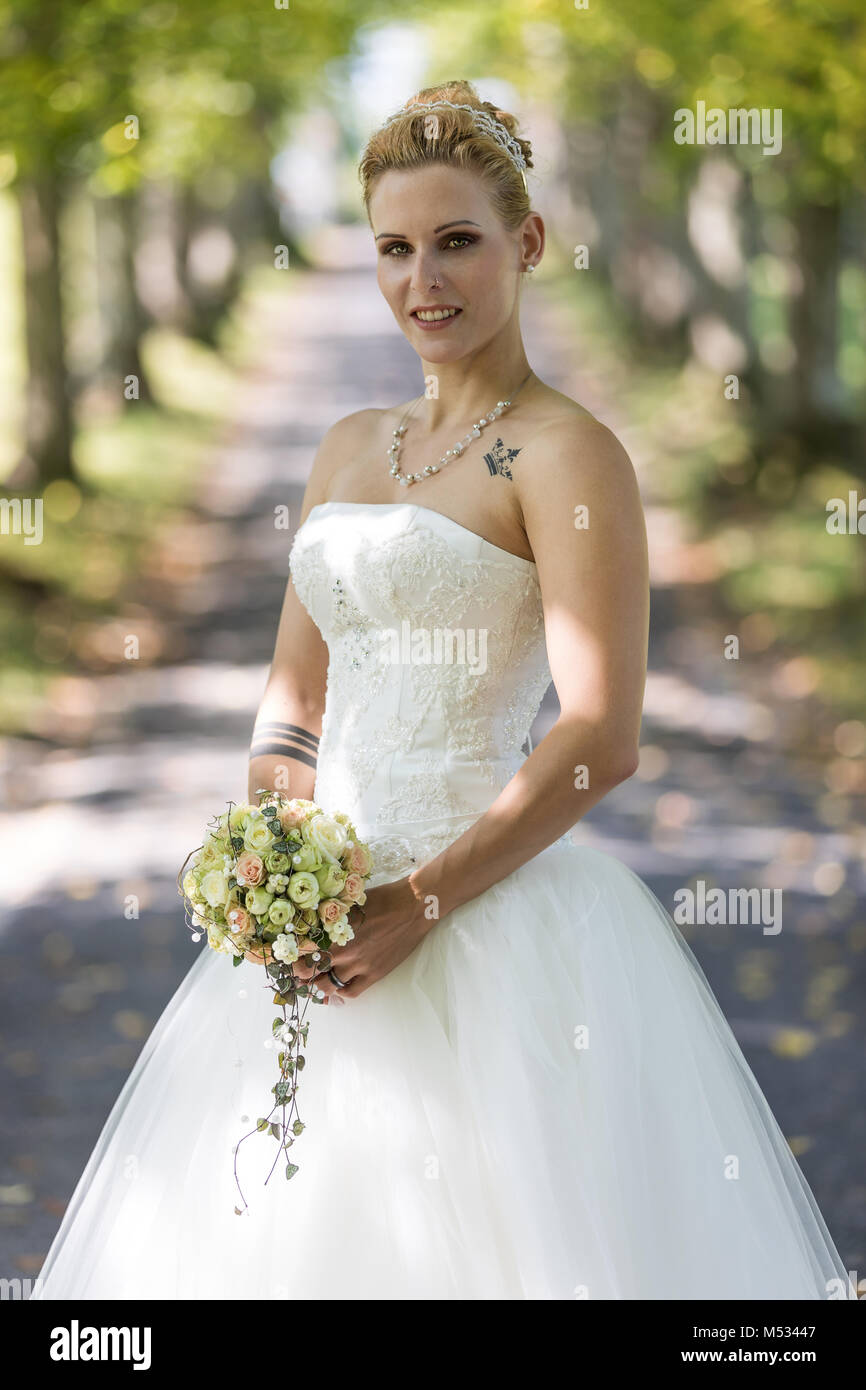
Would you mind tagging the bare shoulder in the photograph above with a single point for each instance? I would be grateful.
(345, 438)
(573, 452)
(575, 474)
(362, 426)
(351, 430)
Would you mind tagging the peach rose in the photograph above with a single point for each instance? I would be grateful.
(353, 888)
(239, 921)
(358, 859)
(331, 910)
(250, 869)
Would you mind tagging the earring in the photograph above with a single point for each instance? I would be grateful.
(530, 269)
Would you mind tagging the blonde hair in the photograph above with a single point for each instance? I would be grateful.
(446, 136)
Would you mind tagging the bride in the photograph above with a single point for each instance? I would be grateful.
(528, 1090)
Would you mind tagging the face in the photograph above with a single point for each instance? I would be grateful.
(434, 224)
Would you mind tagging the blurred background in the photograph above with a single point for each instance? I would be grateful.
(189, 301)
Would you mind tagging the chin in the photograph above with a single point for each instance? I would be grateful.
(440, 353)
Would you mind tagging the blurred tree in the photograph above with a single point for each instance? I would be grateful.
(657, 213)
(107, 97)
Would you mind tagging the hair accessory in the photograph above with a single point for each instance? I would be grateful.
(483, 119)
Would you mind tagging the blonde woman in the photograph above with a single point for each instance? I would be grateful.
(519, 1085)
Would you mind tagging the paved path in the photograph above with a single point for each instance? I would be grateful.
(719, 797)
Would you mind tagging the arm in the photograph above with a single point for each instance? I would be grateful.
(284, 746)
(594, 589)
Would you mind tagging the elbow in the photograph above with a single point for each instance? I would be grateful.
(603, 757)
(611, 767)
(625, 767)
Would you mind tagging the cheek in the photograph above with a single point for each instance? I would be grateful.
(388, 280)
(486, 284)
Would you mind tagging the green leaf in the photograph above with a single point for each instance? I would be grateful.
(237, 960)
(291, 1169)
(275, 1129)
(261, 1125)
(301, 1062)
(298, 1127)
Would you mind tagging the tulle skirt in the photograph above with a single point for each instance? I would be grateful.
(544, 1101)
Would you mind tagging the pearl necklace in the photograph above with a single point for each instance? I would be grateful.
(475, 433)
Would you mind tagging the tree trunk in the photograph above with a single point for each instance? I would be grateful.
(48, 425)
(122, 314)
(816, 396)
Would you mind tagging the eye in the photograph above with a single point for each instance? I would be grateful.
(402, 248)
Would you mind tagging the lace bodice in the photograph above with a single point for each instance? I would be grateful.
(436, 670)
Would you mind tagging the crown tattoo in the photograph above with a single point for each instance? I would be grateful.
(499, 458)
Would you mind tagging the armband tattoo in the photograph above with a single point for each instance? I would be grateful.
(273, 738)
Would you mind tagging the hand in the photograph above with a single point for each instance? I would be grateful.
(387, 930)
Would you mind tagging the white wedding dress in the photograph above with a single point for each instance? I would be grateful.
(544, 1101)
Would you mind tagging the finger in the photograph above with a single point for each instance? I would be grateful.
(325, 984)
(314, 965)
(331, 990)
(353, 987)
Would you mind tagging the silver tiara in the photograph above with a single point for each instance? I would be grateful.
(482, 119)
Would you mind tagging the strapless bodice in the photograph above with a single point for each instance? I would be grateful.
(437, 665)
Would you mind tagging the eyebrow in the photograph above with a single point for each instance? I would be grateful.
(461, 222)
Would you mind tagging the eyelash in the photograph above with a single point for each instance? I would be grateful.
(458, 236)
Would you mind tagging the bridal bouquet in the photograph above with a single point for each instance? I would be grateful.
(277, 878)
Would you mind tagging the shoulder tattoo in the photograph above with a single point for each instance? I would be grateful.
(499, 460)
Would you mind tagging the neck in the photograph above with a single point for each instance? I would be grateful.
(470, 388)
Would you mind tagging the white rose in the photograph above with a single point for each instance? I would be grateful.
(215, 887)
(258, 835)
(326, 835)
(218, 940)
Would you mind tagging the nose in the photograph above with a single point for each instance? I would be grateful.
(426, 270)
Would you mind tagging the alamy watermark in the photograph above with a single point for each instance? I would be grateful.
(437, 646)
(737, 126)
(19, 1290)
(22, 516)
(720, 907)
